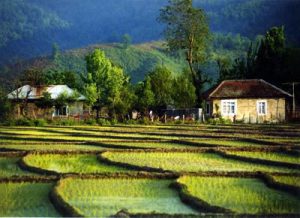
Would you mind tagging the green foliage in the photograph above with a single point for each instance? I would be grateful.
(103, 122)
(108, 80)
(241, 195)
(161, 80)
(183, 86)
(218, 121)
(90, 121)
(23, 122)
(127, 100)
(57, 77)
(21, 19)
(65, 122)
(26, 122)
(145, 95)
(26, 199)
(187, 30)
(40, 122)
(5, 106)
(144, 196)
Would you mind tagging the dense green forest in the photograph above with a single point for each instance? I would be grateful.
(136, 59)
(30, 27)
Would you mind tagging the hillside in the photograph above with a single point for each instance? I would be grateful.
(136, 60)
(30, 27)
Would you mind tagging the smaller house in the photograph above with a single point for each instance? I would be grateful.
(28, 99)
(250, 101)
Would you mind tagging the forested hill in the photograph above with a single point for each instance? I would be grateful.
(30, 27)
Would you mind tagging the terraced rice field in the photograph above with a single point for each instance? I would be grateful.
(77, 163)
(189, 162)
(107, 170)
(26, 199)
(241, 195)
(9, 167)
(272, 156)
(289, 180)
(106, 197)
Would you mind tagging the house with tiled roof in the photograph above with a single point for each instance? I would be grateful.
(29, 98)
(250, 101)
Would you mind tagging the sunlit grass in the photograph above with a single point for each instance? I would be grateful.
(50, 147)
(106, 197)
(71, 163)
(189, 162)
(289, 180)
(273, 156)
(241, 195)
(9, 167)
(26, 200)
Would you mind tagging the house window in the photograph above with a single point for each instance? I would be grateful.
(61, 111)
(229, 107)
(207, 108)
(262, 107)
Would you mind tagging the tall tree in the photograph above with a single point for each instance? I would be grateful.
(269, 63)
(162, 86)
(184, 95)
(145, 95)
(187, 29)
(104, 82)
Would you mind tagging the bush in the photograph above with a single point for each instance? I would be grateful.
(90, 121)
(24, 122)
(145, 121)
(114, 121)
(103, 122)
(65, 122)
(131, 122)
(40, 122)
(218, 121)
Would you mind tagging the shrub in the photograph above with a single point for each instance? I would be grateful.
(24, 122)
(40, 122)
(90, 121)
(145, 121)
(131, 122)
(218, 121)
(103, 122)
(114, 121)
(65, 122)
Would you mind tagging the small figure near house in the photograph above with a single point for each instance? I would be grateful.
(151, 115)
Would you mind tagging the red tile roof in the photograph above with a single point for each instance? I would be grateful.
(252, 88)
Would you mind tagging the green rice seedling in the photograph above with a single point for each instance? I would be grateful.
(26, 200)
(145, 144)
(50, 147)
(106, 197)
(9, 167)
(71, 163)
(189, 162)
(268, 155)
(241, 195)
(289, 180)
